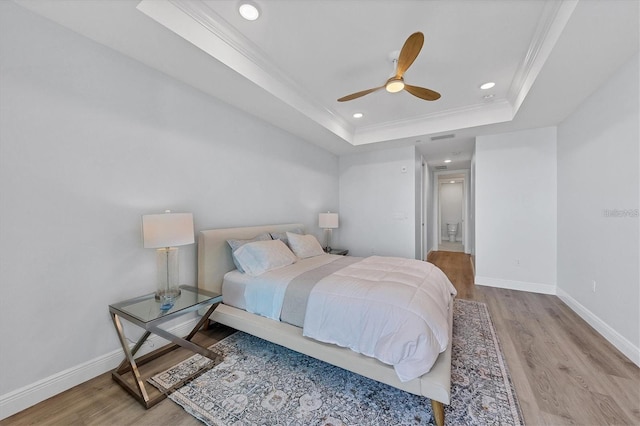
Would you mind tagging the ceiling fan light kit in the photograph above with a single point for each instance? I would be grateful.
(408, 54)
(394, 85)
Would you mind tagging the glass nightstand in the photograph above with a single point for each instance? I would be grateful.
(145, 312)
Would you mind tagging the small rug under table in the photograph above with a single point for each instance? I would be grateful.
(261, 383)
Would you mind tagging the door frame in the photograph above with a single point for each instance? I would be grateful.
(437, 231)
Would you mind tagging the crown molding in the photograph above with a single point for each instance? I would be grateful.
(551, 24)
(200, 25)
(497, 111)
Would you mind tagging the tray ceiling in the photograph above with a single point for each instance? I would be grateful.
(291, 65)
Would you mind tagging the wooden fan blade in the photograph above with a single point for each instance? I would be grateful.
(421, 92)
(358, 94)
(409, 52)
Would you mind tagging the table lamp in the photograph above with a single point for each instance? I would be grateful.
(328, 221)
(164, 232)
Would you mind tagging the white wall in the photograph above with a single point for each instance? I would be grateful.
(418, 206)
(91, 140)
(515, 216)
(377, 203)
(598, 163)
(470, 243)
(428, 203)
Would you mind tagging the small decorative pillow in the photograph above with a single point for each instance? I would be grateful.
(261, 256)
(282, 236)
(304, 245)
(235, 244)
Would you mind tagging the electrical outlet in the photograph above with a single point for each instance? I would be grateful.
(517, 262)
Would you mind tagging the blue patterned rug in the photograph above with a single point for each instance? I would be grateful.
(260, 383)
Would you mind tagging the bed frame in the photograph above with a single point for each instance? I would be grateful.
(214, 260)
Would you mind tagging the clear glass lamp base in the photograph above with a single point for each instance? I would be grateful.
(167, 269)
(172, 293)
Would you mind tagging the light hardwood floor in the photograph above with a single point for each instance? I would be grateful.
(563, 371)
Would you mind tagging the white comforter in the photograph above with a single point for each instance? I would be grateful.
(392, 309)
(265, 293)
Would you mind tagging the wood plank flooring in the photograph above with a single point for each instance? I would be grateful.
(563, 371)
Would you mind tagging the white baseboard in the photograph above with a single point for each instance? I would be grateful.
(27, 396)
(516, 285)
(616, 339)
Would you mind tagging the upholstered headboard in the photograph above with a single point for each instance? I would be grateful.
(214, 254)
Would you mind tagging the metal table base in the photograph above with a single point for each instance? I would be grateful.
(130, 364)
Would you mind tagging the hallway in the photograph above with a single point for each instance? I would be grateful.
(457, 266)
(449, 246)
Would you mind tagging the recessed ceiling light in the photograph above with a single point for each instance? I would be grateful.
(487, 85)
(447, 161)
(358, 115)
(249, 11)
(452, 181)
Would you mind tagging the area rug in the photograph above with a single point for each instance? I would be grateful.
(260, 383)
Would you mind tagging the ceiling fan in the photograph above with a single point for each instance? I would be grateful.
(408, 54)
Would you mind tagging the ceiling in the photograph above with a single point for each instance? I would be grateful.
(291, 65)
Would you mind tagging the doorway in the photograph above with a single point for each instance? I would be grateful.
(451, 214)
(451, 211)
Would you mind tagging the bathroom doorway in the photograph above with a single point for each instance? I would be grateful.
(451, 211)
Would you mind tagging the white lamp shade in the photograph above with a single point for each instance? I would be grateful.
(328, 220)
(167, 230)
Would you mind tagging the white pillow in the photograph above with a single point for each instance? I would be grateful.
(235, 244)
(282, 236)
(261, 256)
(304, 245)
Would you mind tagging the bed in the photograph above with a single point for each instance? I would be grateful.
(215, 260)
